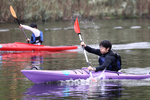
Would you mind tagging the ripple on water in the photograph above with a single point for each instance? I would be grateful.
(4, 30)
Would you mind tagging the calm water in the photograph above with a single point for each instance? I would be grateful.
(131, 39)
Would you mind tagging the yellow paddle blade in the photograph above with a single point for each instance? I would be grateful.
(13, 12)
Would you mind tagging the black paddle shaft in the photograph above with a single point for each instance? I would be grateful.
(18, 21)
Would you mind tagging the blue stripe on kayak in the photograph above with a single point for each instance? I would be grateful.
(66, 73)
(1, 46)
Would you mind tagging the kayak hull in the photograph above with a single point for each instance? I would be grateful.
(43, 76)
(19, 46)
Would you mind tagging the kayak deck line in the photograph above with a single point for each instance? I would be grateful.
(80, 71)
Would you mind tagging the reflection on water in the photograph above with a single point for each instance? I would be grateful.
(75, 89)
(29, 60)
(36, 62)
(12, 79)
(1, 60)
(84, 90)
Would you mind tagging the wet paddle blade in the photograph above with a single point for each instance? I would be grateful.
(76, 26)
(93, 80)
(91, 77)
(13, 12)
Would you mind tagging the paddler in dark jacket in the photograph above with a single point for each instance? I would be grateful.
(107, 59)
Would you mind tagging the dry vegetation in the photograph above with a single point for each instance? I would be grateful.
(46, 10)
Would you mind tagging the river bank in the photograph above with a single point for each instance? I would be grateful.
(54, 10)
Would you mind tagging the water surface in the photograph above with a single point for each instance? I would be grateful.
(130, 38)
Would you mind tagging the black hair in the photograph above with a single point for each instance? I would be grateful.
(106, 44)
(33, 25)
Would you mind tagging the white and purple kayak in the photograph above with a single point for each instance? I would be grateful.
(43, 76)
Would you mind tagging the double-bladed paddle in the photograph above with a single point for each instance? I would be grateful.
(14, 15)
(77, 30)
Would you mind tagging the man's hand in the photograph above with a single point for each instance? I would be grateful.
(83, 44)
(20, 26)
(28, 40)
(91, 68)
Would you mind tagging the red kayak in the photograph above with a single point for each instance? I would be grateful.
(18, 46)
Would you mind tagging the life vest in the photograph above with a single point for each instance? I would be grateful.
(35, 40)
(118, 57)
(115, 66)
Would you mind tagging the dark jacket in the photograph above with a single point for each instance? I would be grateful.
(110, 59)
